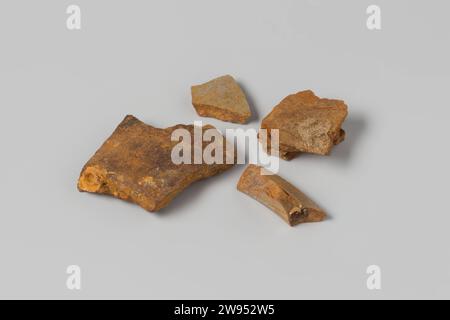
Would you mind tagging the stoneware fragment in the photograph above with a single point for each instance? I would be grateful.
(307, 123)
(280, 196)
(135, 164)
(221, 98)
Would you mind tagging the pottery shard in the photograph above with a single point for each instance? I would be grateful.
(135, 164)
(279, 195)
(306, 123)
(221, 98)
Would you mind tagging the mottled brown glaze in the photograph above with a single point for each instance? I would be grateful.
(221, 98)
(307, 123)
(280, 196)
(135, 164)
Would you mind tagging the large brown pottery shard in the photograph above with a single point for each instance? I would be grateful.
(135, 164)
(221, 98)
(280, 196)
(306, 123)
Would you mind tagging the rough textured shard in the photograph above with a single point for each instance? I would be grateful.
(280, 196)
(307, 123)
(135, 164)
(221, 98)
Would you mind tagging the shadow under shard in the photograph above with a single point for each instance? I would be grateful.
(354, 127)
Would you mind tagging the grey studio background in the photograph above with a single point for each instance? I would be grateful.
(385, 187)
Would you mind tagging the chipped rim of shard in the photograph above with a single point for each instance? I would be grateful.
(221, 98)
(277, 194)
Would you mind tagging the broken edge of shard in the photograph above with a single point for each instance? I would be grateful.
(135, 164)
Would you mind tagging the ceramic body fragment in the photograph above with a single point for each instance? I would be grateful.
(280, 196)
(135, 164)
(221, 98)
(306, 123)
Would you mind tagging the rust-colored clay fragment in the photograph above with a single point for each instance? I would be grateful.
(221, 98)
(280, 196)
(135, 164)
(307, 123)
